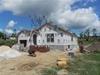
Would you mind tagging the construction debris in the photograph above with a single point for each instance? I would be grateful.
(62, 61)
(7, 53)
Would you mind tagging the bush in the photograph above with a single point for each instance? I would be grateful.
(7, 42)
(2, 42)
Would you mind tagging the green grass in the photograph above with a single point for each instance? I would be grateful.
(51, 71)
(85, 65)
(85, 42)
(93, 57)
(88, 42)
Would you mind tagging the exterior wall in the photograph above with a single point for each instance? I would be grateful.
(63, 42)
(22, 36)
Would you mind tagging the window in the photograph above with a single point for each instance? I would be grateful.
(68, 46)
(50, 28)
(39, 41)
(55, 34)
(58, 40)
(43, 41)
(61, 34)
(71, 38)
(50, 37)
(44, 29)
(66, 40)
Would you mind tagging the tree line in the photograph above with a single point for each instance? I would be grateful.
(89, 34)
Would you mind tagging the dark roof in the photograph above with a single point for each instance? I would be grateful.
(55, 27)
(27, 32)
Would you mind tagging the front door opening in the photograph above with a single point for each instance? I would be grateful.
(35, 39)
(24, 42)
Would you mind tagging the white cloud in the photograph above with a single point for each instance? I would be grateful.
(79, 18)
(1, 30)
(57, 10)
(17, 31)
(9, 31)
(32, 6)
(10, 26)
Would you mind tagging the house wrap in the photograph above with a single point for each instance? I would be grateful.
(49, 35)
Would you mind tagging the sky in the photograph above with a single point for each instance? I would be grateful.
(74, 15)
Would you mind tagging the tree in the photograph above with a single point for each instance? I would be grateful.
(94, 32)
(2, 35)
(13, 35)
(81, 35)
(87, 34)
(36, 21)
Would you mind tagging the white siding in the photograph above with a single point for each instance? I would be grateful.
(59, 40)
(63, 40)
(22, 36)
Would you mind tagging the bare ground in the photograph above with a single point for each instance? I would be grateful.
(26, 65)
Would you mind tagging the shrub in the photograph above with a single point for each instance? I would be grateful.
(7, 42)
(2, 42)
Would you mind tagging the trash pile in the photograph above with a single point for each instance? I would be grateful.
(95, 47)
(7, 53)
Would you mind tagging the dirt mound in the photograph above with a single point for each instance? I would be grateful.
(95, 47)
(4, 48)
(27, 66)
(7, 52)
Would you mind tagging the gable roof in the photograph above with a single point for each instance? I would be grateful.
(26, 32)
(55, 27)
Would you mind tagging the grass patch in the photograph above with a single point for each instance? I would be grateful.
(85, 65)
(51, 71)
(93, 57)
(87, 42)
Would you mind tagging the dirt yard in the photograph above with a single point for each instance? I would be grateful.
(27, 65)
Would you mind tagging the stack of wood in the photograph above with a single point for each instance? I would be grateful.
(43, 49)
(62, 61)
(35, 48)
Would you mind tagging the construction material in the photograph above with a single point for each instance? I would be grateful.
(4, 48)
(7, 52)
(62, 61)
(34, 48)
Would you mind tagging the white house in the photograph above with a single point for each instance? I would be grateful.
(49, 35)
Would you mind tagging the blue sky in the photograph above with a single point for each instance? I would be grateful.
(21, 21)
(12, 14)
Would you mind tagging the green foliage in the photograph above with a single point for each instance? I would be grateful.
(85, 42)
(2, 42)
(85, 65)
(13, 35)
(2, 35)
(88, 42)
(7, 42)
(51, 71)
(93, 56)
